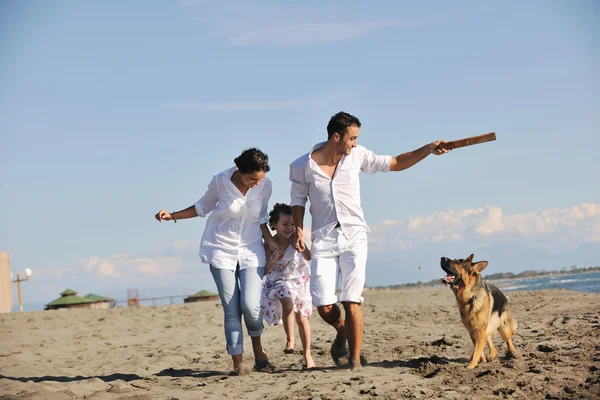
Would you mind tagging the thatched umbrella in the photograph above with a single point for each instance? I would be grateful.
(202, 295)
(69, 299)
(100, 301)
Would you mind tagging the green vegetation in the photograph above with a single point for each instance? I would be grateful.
(500, 275)
(541, 272)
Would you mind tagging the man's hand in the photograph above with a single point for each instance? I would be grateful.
(276, 256)
(298, 240)
(438, 148)
(163, 215)
(275, 248)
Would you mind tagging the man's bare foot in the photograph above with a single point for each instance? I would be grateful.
(355, 365)
(261, 356)
(264, 366)
(339, 350)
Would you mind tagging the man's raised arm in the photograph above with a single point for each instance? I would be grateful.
(407, 160)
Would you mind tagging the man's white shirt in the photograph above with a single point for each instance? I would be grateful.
(335, 200)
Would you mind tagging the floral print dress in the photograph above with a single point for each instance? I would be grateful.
(289, 277)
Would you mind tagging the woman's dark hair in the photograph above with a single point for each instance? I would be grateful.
(278, 210)
(252, 160)
(339, 122)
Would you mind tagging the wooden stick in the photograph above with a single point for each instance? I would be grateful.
(454, 144)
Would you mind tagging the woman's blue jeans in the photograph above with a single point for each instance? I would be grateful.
(239, 291)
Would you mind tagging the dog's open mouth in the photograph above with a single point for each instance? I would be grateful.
(448, 279)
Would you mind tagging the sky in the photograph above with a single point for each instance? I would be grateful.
(111, 111)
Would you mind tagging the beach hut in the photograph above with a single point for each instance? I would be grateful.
(202, 295)
(100, 301)
(69, 299)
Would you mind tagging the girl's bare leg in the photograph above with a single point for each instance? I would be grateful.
(288, 321)
(304, 331)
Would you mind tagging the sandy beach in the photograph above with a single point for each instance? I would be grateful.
(414, 342)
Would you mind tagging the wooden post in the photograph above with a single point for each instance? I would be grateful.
(19, 289)
(18, 281)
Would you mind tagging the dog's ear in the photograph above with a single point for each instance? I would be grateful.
(479, 266)
(470, 258)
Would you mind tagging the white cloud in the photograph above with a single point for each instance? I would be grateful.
(493, 221)
(593, 233)
(161, 262)
(552, 228)
(100, 267)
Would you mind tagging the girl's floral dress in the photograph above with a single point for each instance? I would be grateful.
(289, 277)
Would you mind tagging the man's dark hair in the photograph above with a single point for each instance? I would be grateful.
(339, 122)
(252, 160)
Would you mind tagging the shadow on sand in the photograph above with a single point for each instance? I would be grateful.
(49, 378)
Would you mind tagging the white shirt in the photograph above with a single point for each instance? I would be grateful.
(338, 199)
(232, 234)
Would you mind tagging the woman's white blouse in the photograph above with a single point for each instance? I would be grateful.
(232, 234)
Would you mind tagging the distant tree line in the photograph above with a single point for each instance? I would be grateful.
(573, 269)
(540, 272)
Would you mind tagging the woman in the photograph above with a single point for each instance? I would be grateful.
(237, 200)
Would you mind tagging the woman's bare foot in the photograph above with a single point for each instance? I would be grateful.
(240, 370)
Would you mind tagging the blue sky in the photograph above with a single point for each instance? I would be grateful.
(112, 110)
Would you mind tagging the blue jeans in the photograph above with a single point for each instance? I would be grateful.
(239, 291)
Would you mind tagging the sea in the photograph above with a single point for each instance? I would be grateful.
(586, 282)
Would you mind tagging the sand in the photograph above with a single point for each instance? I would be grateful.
(414, 341)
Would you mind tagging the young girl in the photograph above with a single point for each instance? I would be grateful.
(286, 288)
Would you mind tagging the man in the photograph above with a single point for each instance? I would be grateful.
(329, 177)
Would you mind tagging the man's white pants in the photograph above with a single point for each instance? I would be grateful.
(336, 254)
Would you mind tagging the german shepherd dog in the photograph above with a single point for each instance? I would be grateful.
(483, 307)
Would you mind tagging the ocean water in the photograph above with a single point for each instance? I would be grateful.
(588, 282)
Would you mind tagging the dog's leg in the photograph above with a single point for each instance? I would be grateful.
(474, 340)
(507, 329)
(493, 351)
(478, 351)
(482, 359)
